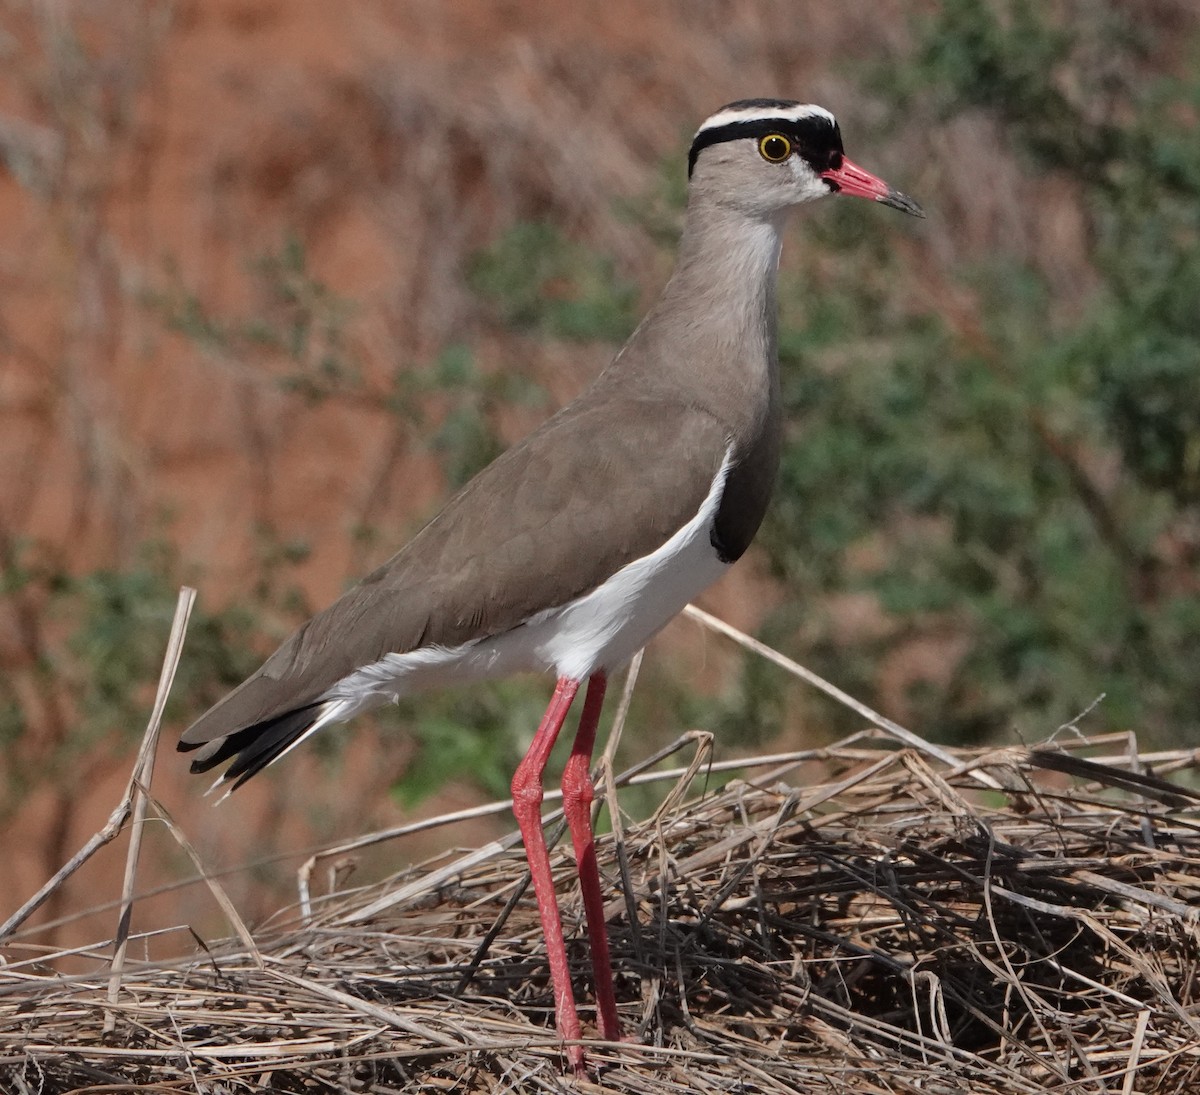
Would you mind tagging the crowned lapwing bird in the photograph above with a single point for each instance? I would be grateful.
(574, 547)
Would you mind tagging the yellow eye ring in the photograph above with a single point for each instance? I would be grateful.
(774, 148)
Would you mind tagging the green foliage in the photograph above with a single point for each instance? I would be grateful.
(541, 282)
(1004, 59)
(296, 323)
(1023, 488)
(298, 332)
(119, 623)
(476, 735)
(466, 440)
(96, 684)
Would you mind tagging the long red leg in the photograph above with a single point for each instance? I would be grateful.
(578, 794)
(527, 805)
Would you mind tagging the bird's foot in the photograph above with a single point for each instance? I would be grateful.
(577, 1061)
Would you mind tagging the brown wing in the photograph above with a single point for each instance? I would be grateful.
(546, 522)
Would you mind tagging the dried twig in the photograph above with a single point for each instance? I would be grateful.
(143, 773)
(885, 927)
(142, 767)
(907, 737)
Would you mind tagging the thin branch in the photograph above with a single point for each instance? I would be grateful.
(144, 763)
(897, 731)
(139, 787)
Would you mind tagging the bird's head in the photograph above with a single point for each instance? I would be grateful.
(763, 156)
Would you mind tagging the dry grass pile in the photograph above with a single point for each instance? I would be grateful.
(859, 919)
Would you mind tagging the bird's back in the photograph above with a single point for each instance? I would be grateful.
(505, 547)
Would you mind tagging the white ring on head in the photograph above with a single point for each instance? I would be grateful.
(795, 113)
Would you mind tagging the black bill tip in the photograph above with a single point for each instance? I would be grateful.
(902, 202)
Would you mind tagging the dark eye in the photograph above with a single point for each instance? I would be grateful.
(775, 148)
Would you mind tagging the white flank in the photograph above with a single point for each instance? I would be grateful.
(752, 113)
(601, 630)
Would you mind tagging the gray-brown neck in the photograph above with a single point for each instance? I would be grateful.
(711, 335)
(727, 264)
(709, 342)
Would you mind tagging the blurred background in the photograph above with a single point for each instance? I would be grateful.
(277, 275)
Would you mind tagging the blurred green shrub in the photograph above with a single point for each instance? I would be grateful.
(1019, 487)
(541, 282)
(90, 646)
(1011, 484)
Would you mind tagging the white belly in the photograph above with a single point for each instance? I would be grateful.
(599, 631)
